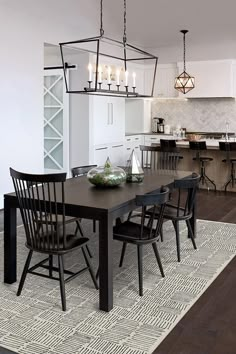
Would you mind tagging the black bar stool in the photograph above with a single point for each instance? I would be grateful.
(228, 147)
(199, 146)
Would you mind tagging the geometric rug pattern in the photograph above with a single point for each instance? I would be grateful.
(34, 323)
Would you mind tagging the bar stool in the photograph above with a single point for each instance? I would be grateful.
(169, 154)
(199, 146)
(228, 147)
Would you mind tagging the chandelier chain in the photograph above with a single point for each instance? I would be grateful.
(124, 37)
(101, 18)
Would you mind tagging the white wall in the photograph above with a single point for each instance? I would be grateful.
(21, 98)
(201, 51)
(25, 26)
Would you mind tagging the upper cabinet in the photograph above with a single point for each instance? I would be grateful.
(215, 78)
(108, 117)
(165, 79)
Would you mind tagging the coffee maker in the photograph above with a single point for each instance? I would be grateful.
(158, 125)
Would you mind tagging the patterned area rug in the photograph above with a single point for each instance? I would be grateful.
(35, 324)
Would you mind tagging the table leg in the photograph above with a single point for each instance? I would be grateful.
(105, 263)
(9, 242)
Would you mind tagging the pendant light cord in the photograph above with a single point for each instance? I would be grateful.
(101, 19)
(124, 37)
(184, 53)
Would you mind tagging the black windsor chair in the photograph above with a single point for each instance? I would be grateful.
(79, 172)
(41, 202)
(139, 234)
(169, 155)
(183, 209)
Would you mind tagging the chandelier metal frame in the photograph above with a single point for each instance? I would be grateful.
(140, 55)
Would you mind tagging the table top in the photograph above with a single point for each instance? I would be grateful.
(79, 191)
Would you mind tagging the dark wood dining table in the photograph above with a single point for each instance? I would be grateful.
(87, 201)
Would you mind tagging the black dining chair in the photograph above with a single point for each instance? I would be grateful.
(140, 234)
(169, 155)
(149, 156)
(182, 210)
(80, 171)
(41, 201)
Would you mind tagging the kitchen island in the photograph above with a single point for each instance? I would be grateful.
(217, 170)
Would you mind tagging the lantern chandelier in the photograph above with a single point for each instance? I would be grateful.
(184, 82)
(107, 67)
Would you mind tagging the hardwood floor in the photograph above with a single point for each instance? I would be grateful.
(210, 325)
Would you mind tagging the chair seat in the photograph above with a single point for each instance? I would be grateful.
(129, 231)
(170, 213)
(72, 242)
(230, 160)
(203, 158)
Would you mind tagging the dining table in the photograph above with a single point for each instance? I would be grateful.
(105, 205)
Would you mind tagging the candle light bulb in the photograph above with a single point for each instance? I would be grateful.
(90, 69)
(117, 77)
(126, 78)
(109, 74)
(134, 77)
(99, 75)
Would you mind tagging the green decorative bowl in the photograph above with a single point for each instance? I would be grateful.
(106, 176)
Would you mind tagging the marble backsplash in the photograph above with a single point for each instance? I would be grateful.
(206, 115)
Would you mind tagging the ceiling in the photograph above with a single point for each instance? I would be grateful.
(150, 23)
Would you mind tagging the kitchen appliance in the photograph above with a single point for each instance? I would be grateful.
(158, 125)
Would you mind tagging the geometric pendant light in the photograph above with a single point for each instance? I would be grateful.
(108, 67)
(184, 82)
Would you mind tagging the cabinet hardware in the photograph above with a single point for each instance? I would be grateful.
(128, 139)
(101, 148)
(116, 146)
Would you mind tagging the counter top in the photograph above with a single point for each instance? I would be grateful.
(129, 134)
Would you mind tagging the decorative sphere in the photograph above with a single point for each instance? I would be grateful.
(107, 175)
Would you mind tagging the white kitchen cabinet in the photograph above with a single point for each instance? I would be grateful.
(150, 139)
(132, 142)
(137, 116)
(114, 151)
(117, 154)
(108, 116)
(165, 80)
(213, 78)
(101, 152)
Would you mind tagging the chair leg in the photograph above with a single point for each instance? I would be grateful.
(97, 274)
(24, 273)
(191, 233)
(80, 229)
(62, 282)
(122, 254)
(154, 245)
(50, 265)
(161, 233)
(90, 268)
(140, 269)
(94, 228)
(176, 226)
